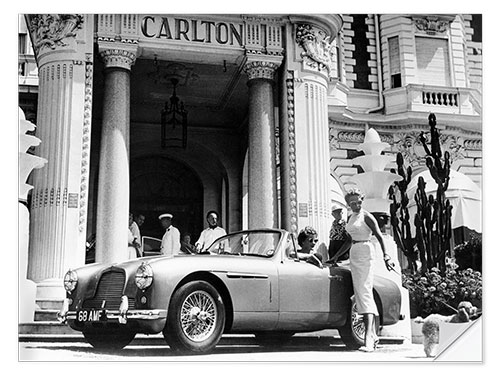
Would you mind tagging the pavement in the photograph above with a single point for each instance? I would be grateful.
(322, 346)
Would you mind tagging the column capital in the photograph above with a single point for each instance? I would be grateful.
(262, 67)
(53, 31)
(114, 57)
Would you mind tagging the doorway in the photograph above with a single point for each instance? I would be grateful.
(160, 185)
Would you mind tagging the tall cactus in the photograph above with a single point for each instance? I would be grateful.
(400, 218)
(433, 217)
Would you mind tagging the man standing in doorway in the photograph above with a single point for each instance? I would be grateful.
(140, 219)
(171, 241)
(134, 227)
(210, 234)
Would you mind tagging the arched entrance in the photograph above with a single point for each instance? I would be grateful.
(159, 184)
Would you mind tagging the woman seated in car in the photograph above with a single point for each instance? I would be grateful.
(307, 239)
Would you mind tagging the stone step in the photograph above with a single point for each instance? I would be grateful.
(46, 315)
(37, 328)
(49, 304)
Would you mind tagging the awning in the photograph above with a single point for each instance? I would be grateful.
(464, 195)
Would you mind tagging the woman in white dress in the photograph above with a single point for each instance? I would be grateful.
(361, 225)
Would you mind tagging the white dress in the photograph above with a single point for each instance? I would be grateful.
(361, 256)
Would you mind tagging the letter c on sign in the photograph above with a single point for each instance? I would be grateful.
(144, 26)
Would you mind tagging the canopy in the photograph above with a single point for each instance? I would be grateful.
(464, 195)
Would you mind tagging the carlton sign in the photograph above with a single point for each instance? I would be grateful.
(192, 30)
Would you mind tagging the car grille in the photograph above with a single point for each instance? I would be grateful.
(109, 289)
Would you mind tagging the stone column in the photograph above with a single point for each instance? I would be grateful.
(262, 202)
(113, 187)
(313, 157)
(63, 45)
(310, 127)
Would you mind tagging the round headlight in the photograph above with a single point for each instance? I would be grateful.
(144, 276)
(70, 281)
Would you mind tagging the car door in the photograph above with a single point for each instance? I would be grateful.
(304, 291)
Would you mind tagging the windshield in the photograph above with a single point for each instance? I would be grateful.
(247, 243)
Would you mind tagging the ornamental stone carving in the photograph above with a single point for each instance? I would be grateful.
(433, 25)
(473, 144)
(118, 58)
(410, 147)
(351, 137)
(319, 52)
(51, 30)
(290, 98)
(84, 172)
(260, 69)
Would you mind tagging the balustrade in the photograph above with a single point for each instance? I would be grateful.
(440, 98)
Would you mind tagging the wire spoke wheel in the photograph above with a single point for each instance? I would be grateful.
(358, 326)
(353, 331)
(198, 316)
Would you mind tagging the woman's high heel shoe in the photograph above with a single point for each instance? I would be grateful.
(370, 345)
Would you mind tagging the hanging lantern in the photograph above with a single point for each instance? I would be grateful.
(174, 121)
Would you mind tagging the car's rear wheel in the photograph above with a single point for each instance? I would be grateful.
(195, 319)
(273, 338)
(353, 332)
(108, 338)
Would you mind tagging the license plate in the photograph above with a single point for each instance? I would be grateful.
(89, 315)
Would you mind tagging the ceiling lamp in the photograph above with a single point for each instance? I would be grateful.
(174, 121)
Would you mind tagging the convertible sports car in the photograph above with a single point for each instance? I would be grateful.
(247, 282)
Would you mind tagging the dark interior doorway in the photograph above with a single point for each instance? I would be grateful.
(161, 185)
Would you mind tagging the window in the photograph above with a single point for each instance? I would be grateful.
(360, 53)
(22, 44)
(433, 61)
(339, 63)
(477, 26)
(394, 62)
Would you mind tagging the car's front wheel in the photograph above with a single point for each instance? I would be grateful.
(353, 331)
(195, 319)
(108, 338)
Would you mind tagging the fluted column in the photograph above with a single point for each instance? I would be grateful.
(318, 156)
(64, 48)
(310, 122)
(113, 187)
(262, 202)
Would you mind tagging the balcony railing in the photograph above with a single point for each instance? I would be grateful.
(440, 98)
(437, 99)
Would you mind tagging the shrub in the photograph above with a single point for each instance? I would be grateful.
(432, 291)
(469, 254)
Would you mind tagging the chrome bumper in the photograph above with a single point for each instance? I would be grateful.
(122, 315)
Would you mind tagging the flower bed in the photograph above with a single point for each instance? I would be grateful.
(432, 292)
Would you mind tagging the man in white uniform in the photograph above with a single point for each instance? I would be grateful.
(134, 238)
(210, 234)
(134, 227)
(171, 241)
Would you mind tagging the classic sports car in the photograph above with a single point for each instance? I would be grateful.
(247, 282)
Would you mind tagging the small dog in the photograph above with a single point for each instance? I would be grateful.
(430, 328)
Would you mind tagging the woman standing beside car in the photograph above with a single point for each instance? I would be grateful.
(360, 226)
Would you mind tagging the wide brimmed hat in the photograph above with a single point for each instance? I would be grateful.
(165, 216)
(336, 207)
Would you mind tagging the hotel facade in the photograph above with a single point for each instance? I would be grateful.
(271, 111)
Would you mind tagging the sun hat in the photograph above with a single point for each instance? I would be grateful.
(337, 207)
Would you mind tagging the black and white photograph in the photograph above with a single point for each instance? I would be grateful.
(301, 187)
